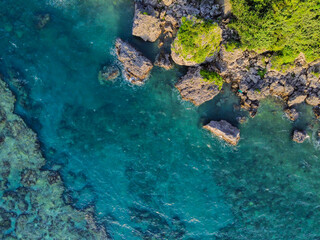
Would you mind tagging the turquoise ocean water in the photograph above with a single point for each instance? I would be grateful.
(138, 155)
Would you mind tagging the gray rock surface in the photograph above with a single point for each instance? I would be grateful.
(194, 88)
(299, 136)
(163, 60)
(146, 23)
(136, 66)
(224, 130)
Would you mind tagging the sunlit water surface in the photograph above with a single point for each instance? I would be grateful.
(138, 155)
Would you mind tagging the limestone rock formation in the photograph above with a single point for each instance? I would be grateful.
(136, 66)
(167, 2)
(163, 60)
(224, 130)
(299, 136)
(146, 24)
(193, 87)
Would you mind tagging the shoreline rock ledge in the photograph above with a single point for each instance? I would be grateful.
(194, 88)
(224, 130)
(136, 66)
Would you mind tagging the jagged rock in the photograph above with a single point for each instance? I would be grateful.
(316, 111)
(167, 2)
(291, 113)
(136, 66)
(209, 10)
(224, 130)
(194, 88)
(299, 136)
(145, 24)
(163, 60)
(313, 99)
(226, 6)
(296, 98)
(108, 73)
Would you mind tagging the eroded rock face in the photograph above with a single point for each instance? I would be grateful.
(163, 60)
(167, 2)
(253, 79)
(136, 66)
(194, 88)
(299, 136)
(224, 130)
(146, 23)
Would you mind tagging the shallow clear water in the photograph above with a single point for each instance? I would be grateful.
(138, 155)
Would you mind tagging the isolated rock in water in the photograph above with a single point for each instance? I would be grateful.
(299, 136)
(316, 111)
(242, 119)
(291, 113)
(224, 130)
(163, 60)
(108, 73)
(193, 87)
(136, 66)
(145, 24)
(42, 20)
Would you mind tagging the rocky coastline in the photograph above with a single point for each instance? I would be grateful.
(249, 73)
(31, 196)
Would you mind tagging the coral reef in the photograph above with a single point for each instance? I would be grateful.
(32, 205)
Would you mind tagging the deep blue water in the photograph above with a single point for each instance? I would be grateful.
(138, 155)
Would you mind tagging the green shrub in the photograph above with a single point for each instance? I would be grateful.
(212, 77)
(285, 27)
(197, 39)
(262, 72)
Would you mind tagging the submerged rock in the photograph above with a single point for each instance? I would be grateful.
(136, 66)
(224, 130)
(316, 111)
(42, 20)
(37, 200)
(291, 113)
(146, 24)
(108, 73)
(193, 87)
(299, 136)
(164, 60)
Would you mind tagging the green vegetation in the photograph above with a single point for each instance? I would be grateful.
(316, 74)
(285, 27)
(212, 77)
(145, 13)
(262, 72)
(197, 39)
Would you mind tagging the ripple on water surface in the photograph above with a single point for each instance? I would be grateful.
(138, 154)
